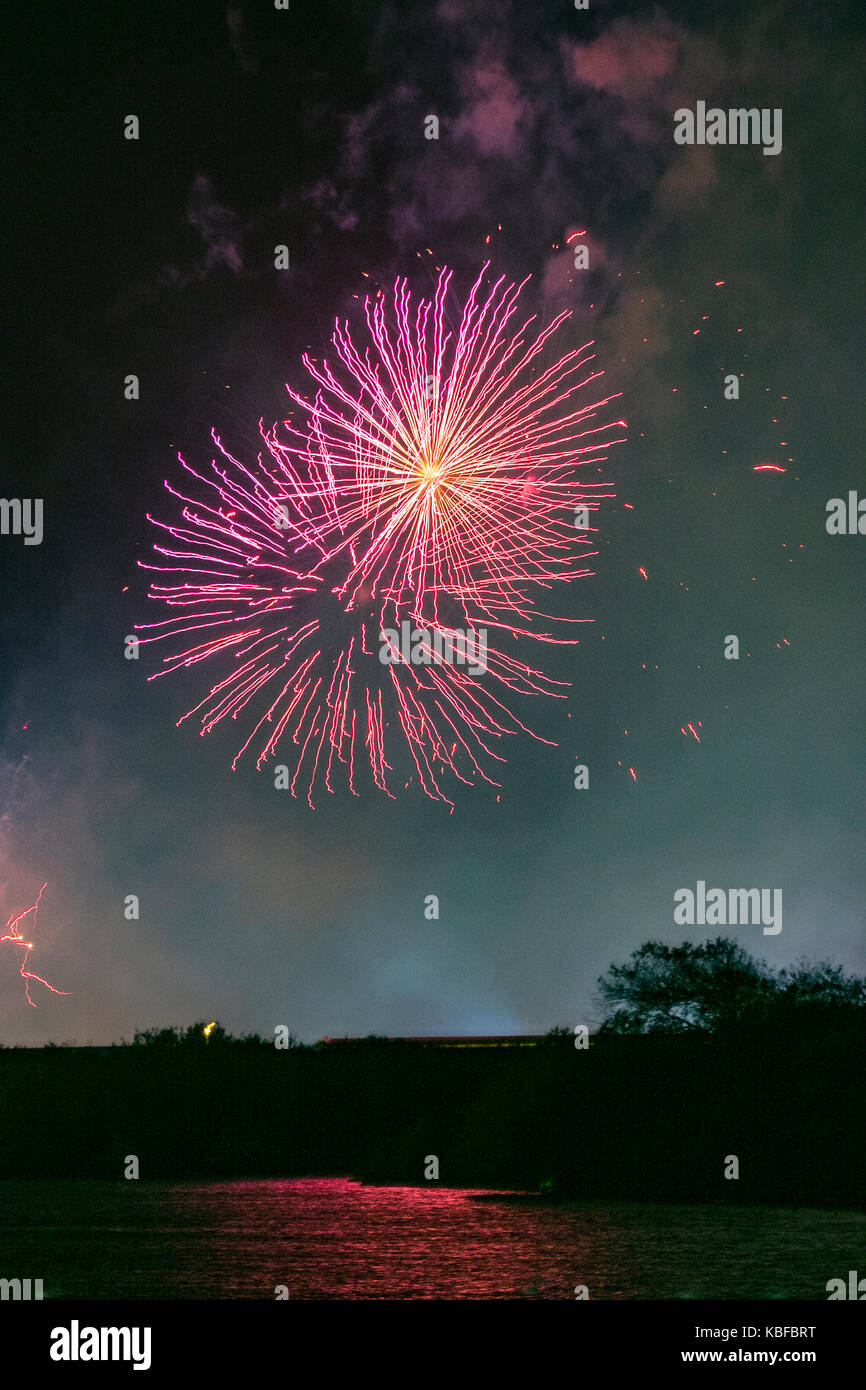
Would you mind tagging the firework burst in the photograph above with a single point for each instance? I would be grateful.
(431, 478)
(437, 462)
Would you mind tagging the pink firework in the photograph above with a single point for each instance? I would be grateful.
(13, 934)
(434, 462)
(431, 482)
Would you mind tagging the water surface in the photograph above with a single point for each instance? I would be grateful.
(332, 1238)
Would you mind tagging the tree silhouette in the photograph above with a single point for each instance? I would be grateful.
(198, 1035)
(701, 988)
(192, 1036)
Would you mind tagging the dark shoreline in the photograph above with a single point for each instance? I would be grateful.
(652, 1119)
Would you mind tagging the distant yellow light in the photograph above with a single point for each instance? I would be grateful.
(208, 1028)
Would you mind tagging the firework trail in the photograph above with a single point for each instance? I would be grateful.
(430, 478)
(14, 935)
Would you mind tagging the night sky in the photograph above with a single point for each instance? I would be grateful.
(155, 257)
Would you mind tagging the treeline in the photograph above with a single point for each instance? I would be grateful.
(653, 1114)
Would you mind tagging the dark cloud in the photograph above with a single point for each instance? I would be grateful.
(218, 227)
(220, 230)
(241, 41)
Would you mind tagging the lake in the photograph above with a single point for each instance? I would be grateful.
(332, 1238)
